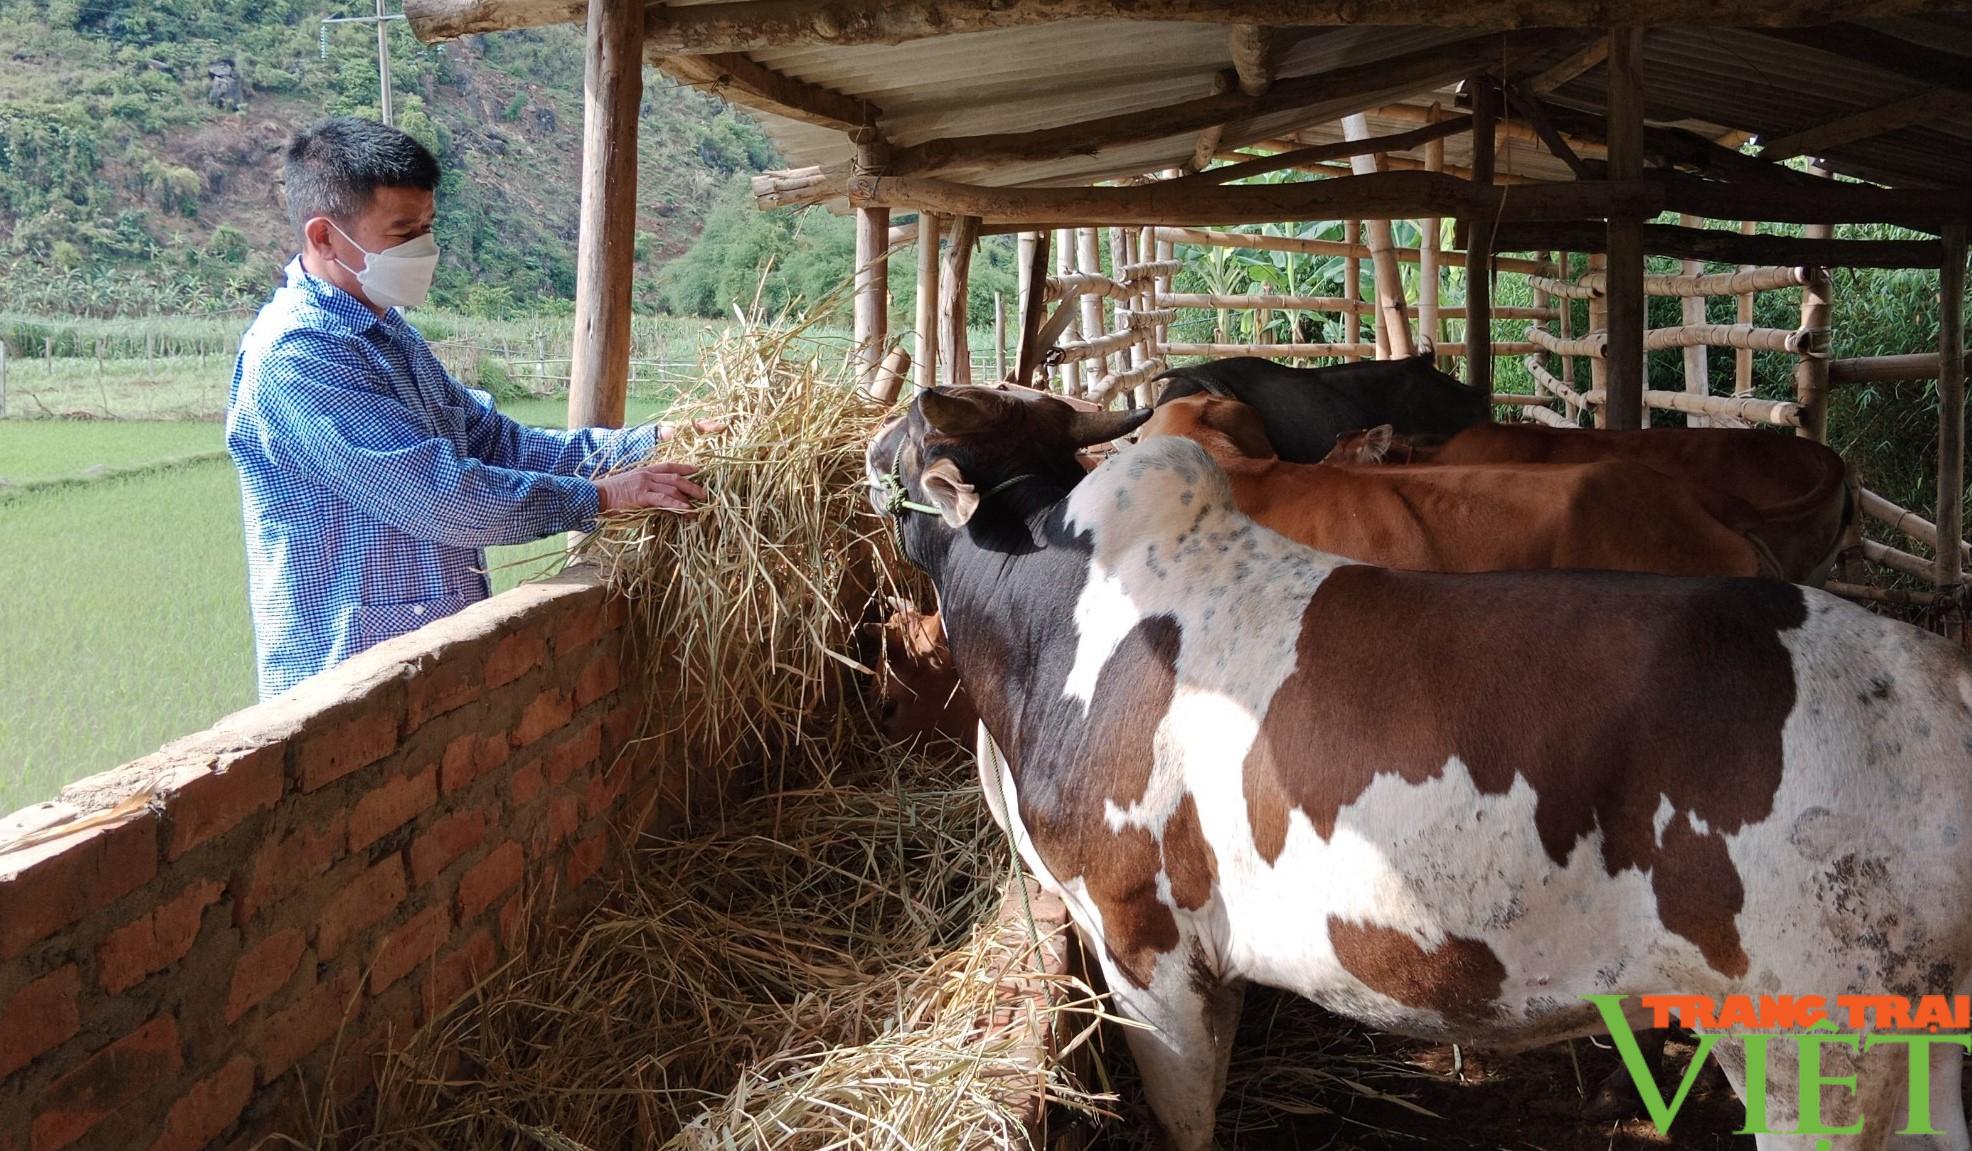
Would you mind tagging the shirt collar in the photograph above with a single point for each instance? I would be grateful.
(338, 303)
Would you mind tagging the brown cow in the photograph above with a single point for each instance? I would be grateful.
(1800, 491)
(1616, 515)
(917, 687)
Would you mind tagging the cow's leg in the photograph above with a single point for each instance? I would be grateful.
(1877, 1100)
(1182, 1044)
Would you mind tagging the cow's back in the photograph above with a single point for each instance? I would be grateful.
(1305, 409)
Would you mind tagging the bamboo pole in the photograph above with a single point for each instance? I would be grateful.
(1088, 260)
(1811, 372)
(1216, 351)
(1565, 320)
(999, 336)
(954, 302)
(1951, 407)
(1479, 239)
(1336, 304)
(1206, 237)
(1742, 361)
(1064, 264)
(1263, 319)
(1430, 324)
(1625, 307)
(1871, 594)
(1884, 369)
(926, 365)
(1541, 301)
(1907, 522)
(1899, 560)
(612, 91)
(1780, 413)
(1352, 279)
(1165, 254)
(1691, 308)
(1394, 320)
(1598, 330)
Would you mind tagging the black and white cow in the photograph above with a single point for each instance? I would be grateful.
(1240, 760)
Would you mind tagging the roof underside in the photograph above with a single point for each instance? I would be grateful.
(1718, 81)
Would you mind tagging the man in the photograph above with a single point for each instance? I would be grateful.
(372, 479)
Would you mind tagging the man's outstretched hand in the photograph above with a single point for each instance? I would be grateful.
(661, 485)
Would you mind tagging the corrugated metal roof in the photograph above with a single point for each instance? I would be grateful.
(1023, 79)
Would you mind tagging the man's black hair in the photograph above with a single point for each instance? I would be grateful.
(335, 167)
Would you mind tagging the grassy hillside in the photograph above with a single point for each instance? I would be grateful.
(131, 183)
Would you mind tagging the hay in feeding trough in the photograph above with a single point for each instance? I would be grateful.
(819, 952)
(750, 604)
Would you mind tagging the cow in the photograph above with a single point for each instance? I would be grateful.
(1614, 514)
(1305, 409)
(917, 689)
(1801, 491)
(1239, 760)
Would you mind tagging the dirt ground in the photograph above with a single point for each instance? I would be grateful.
(1302, 1080)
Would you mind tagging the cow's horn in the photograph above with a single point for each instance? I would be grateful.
(961, 411)
(1086, 429)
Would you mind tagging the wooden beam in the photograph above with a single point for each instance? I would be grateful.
(1337, 90)
(1550, 136)
(612, 92)
(747, 25)
(1880, 120)
(1951, 407)
(1903, 58)
(1032, 275)
(1672, 148)
(1385, 195)
(1575, 64)
(1727, 247)
(926, 363)
(954, 295)
(1626, 301)
(1389, 278)
(1479, 227)
(1828, 202)
(753, 85)
(1254, 50)
(1339, 150)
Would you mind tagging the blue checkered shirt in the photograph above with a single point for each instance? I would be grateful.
(372, 479)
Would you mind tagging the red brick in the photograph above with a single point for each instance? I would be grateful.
(586, 858)
(526, 785)
(110, 1079)
(287, 1037)
(605, 787)
(448, 839)
(616, 612)
(597, 680)
(203, 1113)
(564, 816)
(513, 924)
(349, 745)
(575, 753)
(264, 969)
(400, 952)
(155, 940)
(583, 625)
(484, 881)
(214, 802)
(280, 868)
(364, 902)
(514, 656)
(550, 710)
(39, 1018)
(458, 973)
(391, 806)
(48, 887)
(621, 725)
(438, 687)
(467, 758)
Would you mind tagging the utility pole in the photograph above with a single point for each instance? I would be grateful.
(383, 52)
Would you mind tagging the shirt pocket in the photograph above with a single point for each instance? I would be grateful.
(375, 623)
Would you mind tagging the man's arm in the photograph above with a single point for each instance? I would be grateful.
(323, 418)
(506, 442)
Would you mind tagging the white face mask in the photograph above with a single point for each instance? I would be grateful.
(399, 276)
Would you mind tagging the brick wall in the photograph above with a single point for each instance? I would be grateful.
(294, 886)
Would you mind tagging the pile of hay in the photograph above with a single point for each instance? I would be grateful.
(813, 972)
(751, 603)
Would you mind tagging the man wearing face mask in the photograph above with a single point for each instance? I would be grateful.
(372, 479)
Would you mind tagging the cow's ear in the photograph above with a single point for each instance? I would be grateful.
(1376, 444)
(947, 490)
(1087, 429)
(964, 411)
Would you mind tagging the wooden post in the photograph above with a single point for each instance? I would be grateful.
(1479, 244)
(1691, 310)
(1352, 285)
(872, 288)
(1033, 279)
(955, 302)
(1396, 325)
(1163, 251)
(1543, 300)
(1263, 318)
(1088, 258)
(1429, 329)
(926, 365)
(1951, 407)
(1064, 263)
(1565, 315)
(1742, 360)
(612, 93)
(1599, 322)
(1624, 291)
(1811, 371)
(999, 336)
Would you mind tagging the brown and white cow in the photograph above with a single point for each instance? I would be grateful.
(1239, 759)
(1613, 514)
(1800, 492)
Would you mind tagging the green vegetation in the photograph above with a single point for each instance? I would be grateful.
(33, 451)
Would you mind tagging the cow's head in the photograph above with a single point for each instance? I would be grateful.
(947, 458)
(1381, 445)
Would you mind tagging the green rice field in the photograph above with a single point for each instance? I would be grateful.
(123, 611)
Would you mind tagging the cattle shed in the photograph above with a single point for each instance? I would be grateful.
(1555, 134)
